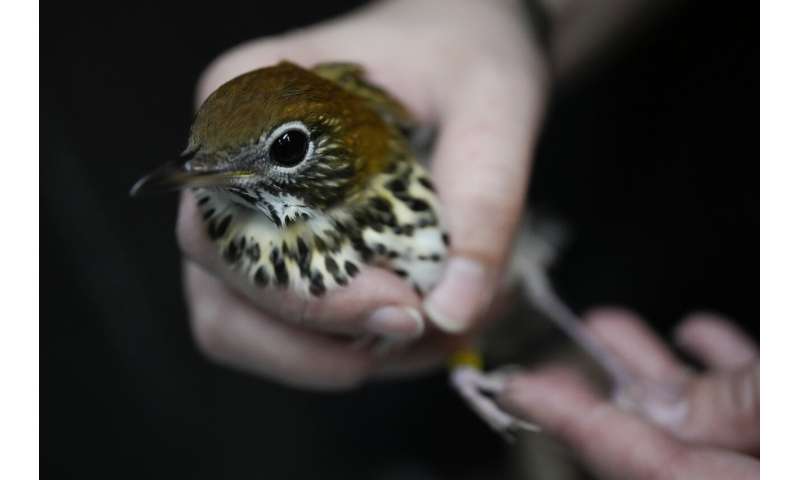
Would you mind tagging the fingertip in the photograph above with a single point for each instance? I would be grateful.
(699, 325)
(715, 340)
(462, 295)
(395, 323)
(607, 320)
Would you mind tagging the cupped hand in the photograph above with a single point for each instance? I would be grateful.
(680, 424)
(471, 68)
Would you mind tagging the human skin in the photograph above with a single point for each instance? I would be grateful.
(683, 424)
(473, 69)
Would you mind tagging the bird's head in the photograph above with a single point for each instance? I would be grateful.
(280, 135)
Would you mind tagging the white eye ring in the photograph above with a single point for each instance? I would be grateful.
(280, 130)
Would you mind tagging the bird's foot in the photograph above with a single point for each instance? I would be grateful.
(479, 389)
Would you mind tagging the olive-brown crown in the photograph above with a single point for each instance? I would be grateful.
(236, 128)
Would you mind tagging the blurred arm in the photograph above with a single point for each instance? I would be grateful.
(585, 31)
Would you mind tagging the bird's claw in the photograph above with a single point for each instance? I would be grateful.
(478, 389)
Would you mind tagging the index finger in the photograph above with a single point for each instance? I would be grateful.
(611, 442)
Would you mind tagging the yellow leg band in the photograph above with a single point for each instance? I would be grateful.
(466, 357)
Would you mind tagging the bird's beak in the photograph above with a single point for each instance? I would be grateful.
(179, 174)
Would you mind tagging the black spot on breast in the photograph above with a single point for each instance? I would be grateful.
(361, 219)
(254, 252)
(446, 239)
(426, 182)
(320, 244)
(274, 215)
(208, 213)
(317, 287)
(331, 266)
(217, 230)
(427, 222)
(233, 252)
(418, 205)
(380, 249)
(261, 278)
(361, 247)
(397, 185)
(401, 272)
(435, 257)
(281, 274)
(203, 201)
(303, 258)
(402, 196)
(350, 268)
(380, 204)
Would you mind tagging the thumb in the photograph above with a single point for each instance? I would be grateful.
(481, 165)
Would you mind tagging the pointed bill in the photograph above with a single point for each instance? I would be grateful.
(177, 175)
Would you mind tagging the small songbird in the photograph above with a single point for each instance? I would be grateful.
(303, 176)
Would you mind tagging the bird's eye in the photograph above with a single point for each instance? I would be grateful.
(289, 148)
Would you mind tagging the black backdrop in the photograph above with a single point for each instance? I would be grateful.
(653, 161)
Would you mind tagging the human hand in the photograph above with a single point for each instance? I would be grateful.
(470, 67)
(679, 424)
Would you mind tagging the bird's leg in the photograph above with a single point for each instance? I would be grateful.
(539, 291)
(629, 391)
(537, 248)
(478, 389)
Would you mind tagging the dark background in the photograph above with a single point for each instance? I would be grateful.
(653, 160)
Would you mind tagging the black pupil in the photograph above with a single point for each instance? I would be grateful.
(289, 148)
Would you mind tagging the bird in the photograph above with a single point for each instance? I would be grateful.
(304, 176)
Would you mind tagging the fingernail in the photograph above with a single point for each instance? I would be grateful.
(396, 322)
(460, 296)
(664, 404)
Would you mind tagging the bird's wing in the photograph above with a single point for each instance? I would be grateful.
(352, 77)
